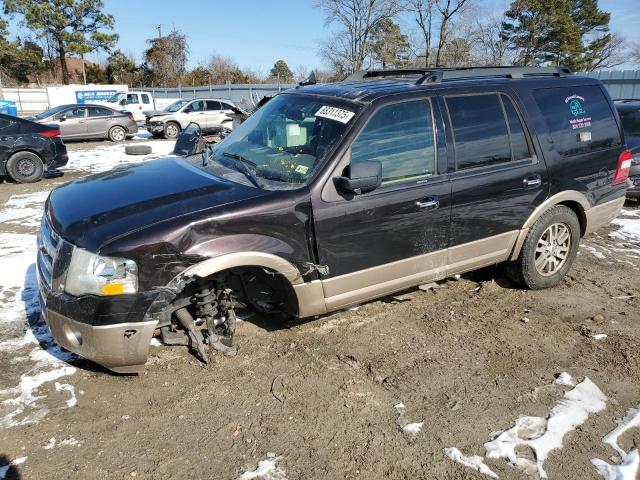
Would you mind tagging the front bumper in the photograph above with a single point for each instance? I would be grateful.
(154, 127)
(114, 332)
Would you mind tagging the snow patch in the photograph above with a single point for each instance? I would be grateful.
(4, 469)
(565, 379)
(599, 336)
(475, 461)
(630, 464)
(104, 158)
(25, 210)
(267, 470)
(70, 441)
(545, 435)
(413, 428)
(593, 251)
(404, 424)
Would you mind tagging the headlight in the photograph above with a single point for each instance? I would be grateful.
(94, 274)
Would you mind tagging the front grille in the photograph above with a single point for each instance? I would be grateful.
(48, 247)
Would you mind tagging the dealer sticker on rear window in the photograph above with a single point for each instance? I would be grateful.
(337, 114)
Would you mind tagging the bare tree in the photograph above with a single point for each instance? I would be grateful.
(489, 44)
(447, 9)
(634, 53)
(613, 54)
(356, 20)
(423, 15)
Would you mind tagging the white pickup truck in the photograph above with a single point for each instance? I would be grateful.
(136, 102)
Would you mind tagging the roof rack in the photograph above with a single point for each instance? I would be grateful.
(437, 75)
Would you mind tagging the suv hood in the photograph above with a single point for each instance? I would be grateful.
(93, 211)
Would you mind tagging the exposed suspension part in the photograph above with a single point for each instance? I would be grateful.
(212, 306)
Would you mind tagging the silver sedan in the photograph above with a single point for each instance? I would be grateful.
(86, 121)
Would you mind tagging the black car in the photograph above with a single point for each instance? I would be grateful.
(27, 149)
(629, 111)
(332, 195)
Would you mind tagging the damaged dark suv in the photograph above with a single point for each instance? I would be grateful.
(332, 195)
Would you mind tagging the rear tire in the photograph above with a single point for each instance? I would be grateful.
(171, 130)
(549, 250)
(117, 134)
(25, 167)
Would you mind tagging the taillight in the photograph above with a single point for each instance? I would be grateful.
(624, 166)
(53, 133)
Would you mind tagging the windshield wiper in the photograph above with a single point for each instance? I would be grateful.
(241, 164)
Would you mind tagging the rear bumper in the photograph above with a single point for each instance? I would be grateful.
(59, 160)
(132, 129)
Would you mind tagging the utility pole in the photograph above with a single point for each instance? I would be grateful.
(159, 28)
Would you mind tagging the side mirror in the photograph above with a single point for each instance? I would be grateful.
(123, 101)
(363, 177)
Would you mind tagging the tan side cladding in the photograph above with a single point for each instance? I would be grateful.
(385, 279)
(121, 347)
(310, 297)
(602, 215)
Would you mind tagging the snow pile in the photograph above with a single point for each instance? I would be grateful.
(4, 469)
(104, 158)
(25, 210)
(630, 464)
(405, 425)
(475, 461)
(18, 288)
(564, 379)
(544, 435)
(267, 470)
(21, 404)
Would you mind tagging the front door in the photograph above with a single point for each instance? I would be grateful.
(134, 105)
(395, 236)
(73, 122)
(498, 180)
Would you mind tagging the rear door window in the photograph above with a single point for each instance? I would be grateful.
(579, 119)
(401, 137)
(213, 105)
(519, 145)
(99, 112)
(480, 132)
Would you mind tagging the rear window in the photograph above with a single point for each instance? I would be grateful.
(579, 119)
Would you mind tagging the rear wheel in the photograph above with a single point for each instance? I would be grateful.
(25, 167)
(117, 134)
(171, 130)
(549, 250)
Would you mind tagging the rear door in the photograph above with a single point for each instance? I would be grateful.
(215, 115)
(584, 137)
(73, 122)
(498, 179)
(396, 235)
(98, 121)
(135, 106)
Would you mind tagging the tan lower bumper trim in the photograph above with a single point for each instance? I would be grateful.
(121, 347)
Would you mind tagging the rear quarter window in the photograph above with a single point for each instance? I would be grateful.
(579, 119)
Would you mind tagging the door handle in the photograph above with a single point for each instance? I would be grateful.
(429, 202)
(533, 181)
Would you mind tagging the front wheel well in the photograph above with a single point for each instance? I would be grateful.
(260, 288)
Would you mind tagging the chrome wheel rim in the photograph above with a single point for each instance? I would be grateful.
(117, 134)
(172, 131)
(26, 167)
(552, 250)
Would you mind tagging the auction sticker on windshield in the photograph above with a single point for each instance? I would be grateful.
(333, 113)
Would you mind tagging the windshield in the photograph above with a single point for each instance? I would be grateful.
(51, 112)
(175, 106)
(115, 98)
(286, 140)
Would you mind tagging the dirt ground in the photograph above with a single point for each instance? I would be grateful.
(466, 359)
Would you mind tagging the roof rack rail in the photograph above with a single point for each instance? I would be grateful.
(437, 75)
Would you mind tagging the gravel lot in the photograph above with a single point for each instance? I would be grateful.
(373, 392)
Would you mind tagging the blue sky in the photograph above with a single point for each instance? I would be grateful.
(257, 33)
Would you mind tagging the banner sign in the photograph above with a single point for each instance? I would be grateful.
(88, 96)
